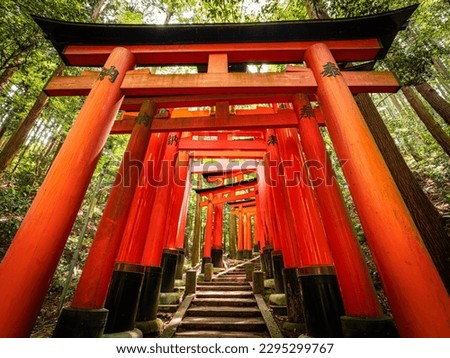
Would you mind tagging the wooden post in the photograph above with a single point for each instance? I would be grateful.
(29, 265)
(217, 249)
(92, 288)
(319, 296)
(357, 289)
(283, 215)
(420, 306)
(247, 236)
(93, 285)
(177, 199)
(179, 228)
(128, 275)
(133, 240)
(157, 229)
(313, 245)
(240, 234)
(195, 252)
(208, 231)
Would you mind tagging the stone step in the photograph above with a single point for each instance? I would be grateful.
(218, 283)
(224, 294)
(167, 308)
(279, 310)
(223, 311)
(221, 334)
(230, 279)
(223, 323)
(235, 302)
(216, 287)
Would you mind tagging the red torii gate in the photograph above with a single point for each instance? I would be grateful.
(420, 307)
(216, 199)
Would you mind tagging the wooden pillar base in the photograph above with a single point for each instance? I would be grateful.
(361, 327)
(205, 260)
(322, 302)
(278, 266)
(180, 265)
(293, 296)
(266, 261)
(191, 282)
(150, 329)
(149, 298)
(80, 323)
(169, 267)
(247, 254)
(217, 257)
(209, 272)
(240, 255)
(258, 282)
(249, 269)
(123, 297)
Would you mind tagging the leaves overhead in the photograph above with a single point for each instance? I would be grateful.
(414, 57)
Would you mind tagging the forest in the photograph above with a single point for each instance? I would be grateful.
(411, 127)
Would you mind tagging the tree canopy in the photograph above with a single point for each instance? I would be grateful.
(420, 54)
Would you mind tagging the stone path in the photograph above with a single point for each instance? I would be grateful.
(223, 308)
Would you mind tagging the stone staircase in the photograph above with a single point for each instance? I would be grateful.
(223, 308)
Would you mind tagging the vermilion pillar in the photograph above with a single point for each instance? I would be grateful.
(92, 288)
(313, 245)
(247, 236)
(184, 211)
(160, 267)
(240, 236)
(358, 293)
(176, 199)
(179, 208)
(266, 230)
(320, 296)
(287, 258)
(276, 256)
(259, 235)
(417, 297)
(157, 229)
(133, 240)
(128, 274)
(208, 232)
(217, 249)
(28, 267)
(283, 216)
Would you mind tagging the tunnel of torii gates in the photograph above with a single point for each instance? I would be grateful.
(301, 224)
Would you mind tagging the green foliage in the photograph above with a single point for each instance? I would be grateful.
(412, 57)
(351, 8)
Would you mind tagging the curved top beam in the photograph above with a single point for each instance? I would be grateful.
(383, 27)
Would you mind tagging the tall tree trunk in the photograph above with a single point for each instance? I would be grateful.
(232, 236)
(315, 11)
(440, 67)
(98, 10)
(6, 76)
(195, 253)
(187, 233)
(423, 212)
(433, 127)
(2, 132)
(441, 106)
(18, 138)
